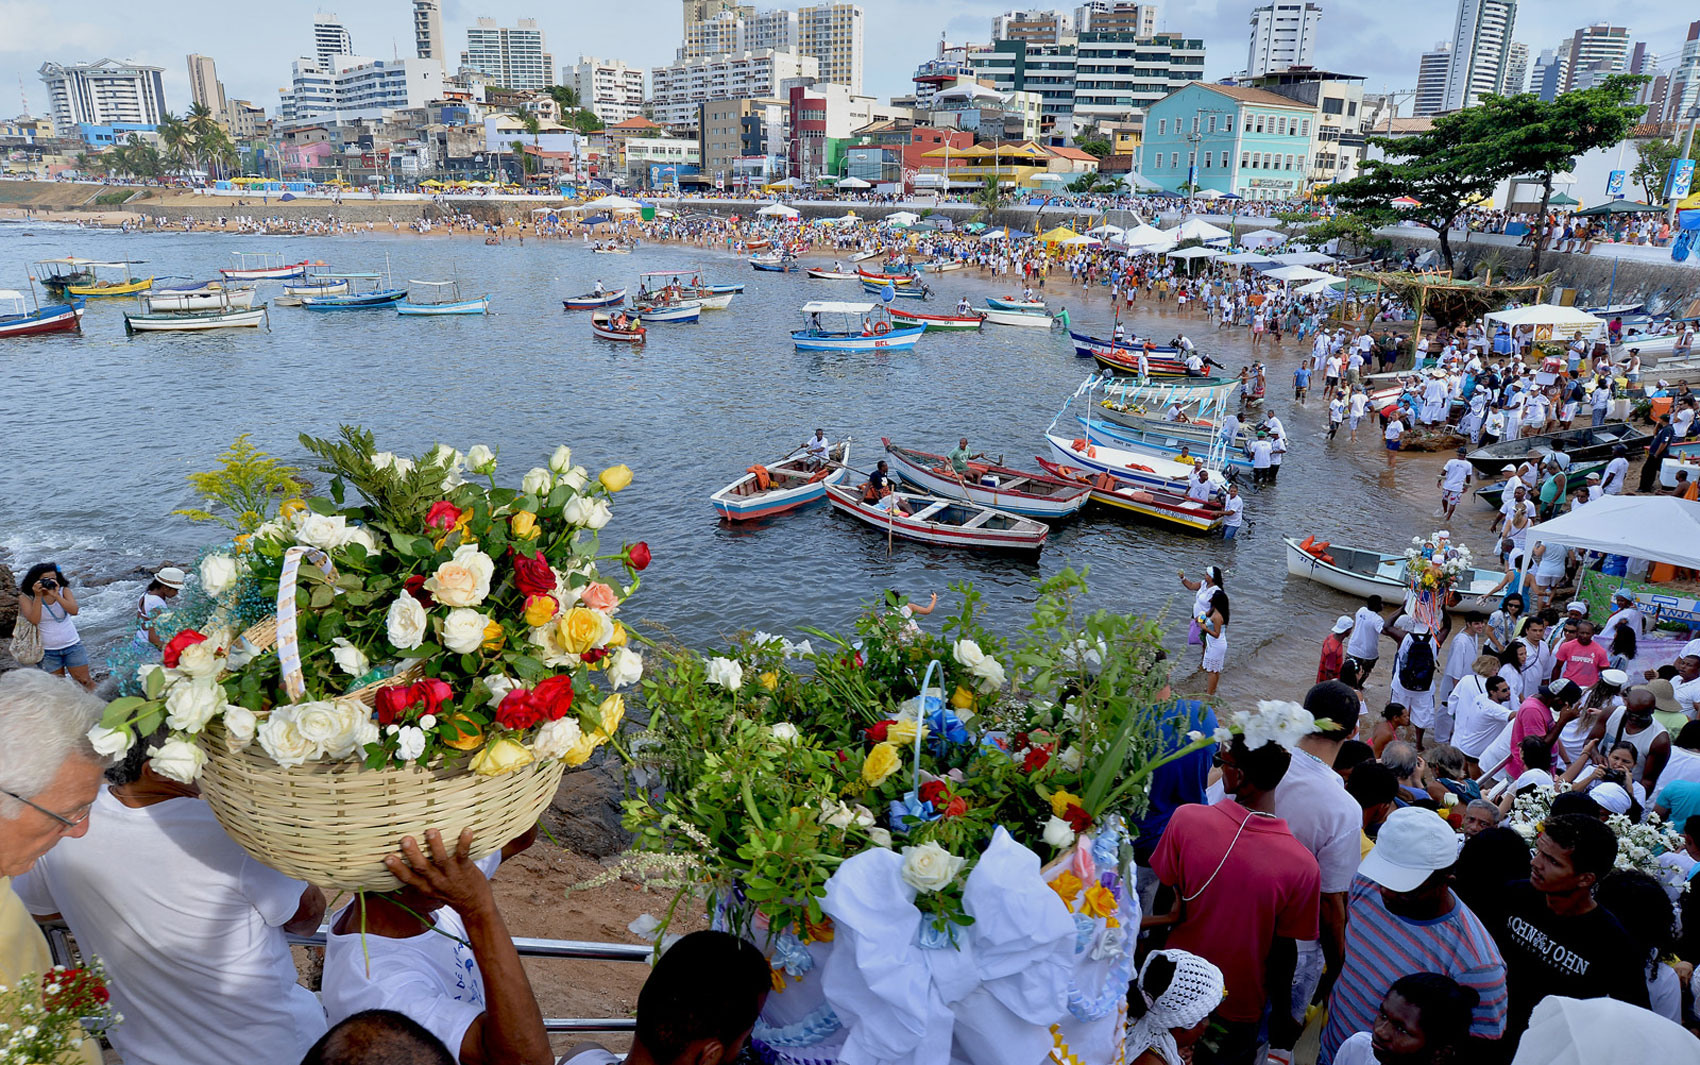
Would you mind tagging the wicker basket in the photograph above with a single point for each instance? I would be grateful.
(332, 823)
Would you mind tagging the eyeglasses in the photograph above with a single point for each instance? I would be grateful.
(68, 822)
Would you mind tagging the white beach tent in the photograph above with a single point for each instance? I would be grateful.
(1295, 273)
(1548, 319)
(1142, 235)
(1322, 286)
(1262, 238)
(1113, 232)
(610, 203)
(854, 183)
(901, 218)
(1247, 258)
(1196, 229)
(1196, 252)
(1302, 258)
(778, 210)
(1656, 528)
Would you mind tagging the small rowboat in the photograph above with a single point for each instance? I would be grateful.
(757, 245)
(773, 264)
(1130, 467)
(893, 279)
(602, 324)
(611, 249)
(104, 289)
(1031, 319)
(1180, 449)
(590, 300)
(831, 275)
(941, 267)
(1013, 304)
(355, 301)
(686, 311)
(914, 292)
(1016, 491)
(947, 522)
(195, 321)
(1085, 343)
(450, 304)
(937, 322)
(1585, 443)
(207, 296)
(1171, 507)
(864, 256)
(270, 270)
(791, 483)
(721, 290)
(710, 301)
(1361, 574)
(54, 318)
(1199, 432)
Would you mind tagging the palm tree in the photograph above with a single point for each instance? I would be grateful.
(991, 196)
(220, 152)
(175, 135)
(204, 129)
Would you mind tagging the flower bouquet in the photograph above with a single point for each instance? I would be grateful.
(47, 1018)
(878, 812)
(1640, 844)
(433, 656)
(1433, 568)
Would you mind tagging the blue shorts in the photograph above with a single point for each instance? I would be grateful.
(1230, 531)
(1393, 445)
(64, 658)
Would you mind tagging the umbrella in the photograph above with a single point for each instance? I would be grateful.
(1616, 207)
(1405, 201)
(611, 203)
(1105, 231)
(1196, 229)
(1208, 194)
(1563, 200)
(1295, 273)
(596, 219)
(1059, 235)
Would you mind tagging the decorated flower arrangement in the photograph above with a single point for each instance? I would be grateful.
(1639, 843)
(441, 617)
(46, 1018)
(1433, 567)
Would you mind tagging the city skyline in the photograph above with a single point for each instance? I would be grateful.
(254, 53)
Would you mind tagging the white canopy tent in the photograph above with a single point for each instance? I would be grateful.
(1294, 273)
(610, 203)
(854, 183)
(1247, 258)
(1262, 238)
(901, 218)
(1106, 231)
(1302, 258)
(1143, 234)
(1141, 183)
(778, 210)
(1197, 229)
(1560, 321)
(1321, 286)
(1196, 253)
(1655, 528)
(1207, 194)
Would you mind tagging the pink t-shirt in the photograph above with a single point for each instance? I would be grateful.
(1263, 885)
(1583, 662)
(1533, 719)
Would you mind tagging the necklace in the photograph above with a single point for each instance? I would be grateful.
(1212, 878)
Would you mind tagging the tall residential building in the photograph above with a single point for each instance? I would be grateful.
(428, 31)
(1432, 69)
(742, 141)
(1546, 80)
(747, 31)
(702, 10)
(1683, 93)
(832, 33)
(1046, 70)
(1118, 75)
(1595, 52)
(941, 72)
(1116, 16)
(204, 86)
(1034, 27)
(103, 93)
(245, 119)
(609, 88)
(1481, 46)
(677, 90)
(1516, 70)
(514, 56)
(1283, 34)
(357, 86)
(330, 37)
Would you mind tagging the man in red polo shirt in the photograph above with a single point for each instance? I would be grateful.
(1582, 659)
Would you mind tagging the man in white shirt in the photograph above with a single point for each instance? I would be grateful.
(819, 449)
(1395, 429)
(1233, 509)
(1617, 471)
(1412, 687)
(1199, 489)
(1364, 645)
(1482, 716)
(191, 929)
(1454, 479)
(1461, 654)
(1357, 407)
(1260, 451)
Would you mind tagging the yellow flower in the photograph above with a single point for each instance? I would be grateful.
(1061, 800)
(962, 698)
(1100, 903)
(580, 752)
(539, 609)
(615, 478)
(494, 637)
(778, 976)
(582, 628)
(291, 507)
(770, 680)
(882, 762)
(822, 932)
(1067, 887)
(503, 756)
(242, 542)
(619, 637)
(465, 735)
(903, 732)
(524, 525)
(610, 712)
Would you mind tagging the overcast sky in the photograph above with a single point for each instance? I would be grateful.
(254, 43)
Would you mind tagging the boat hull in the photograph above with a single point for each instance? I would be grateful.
(941, 268)
(1388, 582)
(1021, 318)
(671, 314)
(1128, 467)
(1103, 432)
(195, 322)
(736, 503)
(329, 288)
(360, 302)
(1583, 444)
(273, 273)
(830, 275)
(1036, 306)
(1053, 508)
(599, 325)
(125, 288)
(1169, 508)
(1023, 534)
(588, 301)
(210, 299)
(47, 320)
(938, 323)
(426, 310)
(896, 340)
(897, 293)
(721, 290)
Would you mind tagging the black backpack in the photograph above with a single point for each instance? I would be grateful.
(1417, 674)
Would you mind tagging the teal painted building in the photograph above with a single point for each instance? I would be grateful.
(1232, 139)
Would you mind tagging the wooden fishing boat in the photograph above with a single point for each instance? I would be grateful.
(1085, 343)
(355, 301)
(56, 275)
(317, 282)
(856, 327)
(590, 300)
(1362, 573)
(1172, 508)
(120, 285)
(777, 487)
(774, 264)
(1030, 319)
(937, 322)
(1197, 430)
(947, 522)
(206, 296)
(682, 311)
(1678, 371)
(1013, 303)
(611, 249)
(602, 324)
(897, 280)
(263, 266)
(1494, 494)
(1125, 465)
(1582, 444)
(450, 304)
(864, 256)
(943, 267)
(757, 244)
(721, 290)
(16, 320)
(1180, 449)
(1016, 491)
(196, 321)
(914, 292)
(817, 274)
(1124, 360)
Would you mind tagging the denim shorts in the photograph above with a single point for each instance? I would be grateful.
(64, 658)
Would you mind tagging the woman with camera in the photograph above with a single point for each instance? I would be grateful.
(45, 600)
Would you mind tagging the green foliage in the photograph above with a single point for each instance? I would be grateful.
(400, 491)
(112, 199)
(244, 489)
(1653, 163)
(991, 196)
(1354, 230)
(1091, 182)
(1094, 146)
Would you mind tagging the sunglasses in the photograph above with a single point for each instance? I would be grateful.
(68, 822)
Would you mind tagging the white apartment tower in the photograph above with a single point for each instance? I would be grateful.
(428, 31)
(608, 88)
(330, 37)
(1596, 51)
(1516, 70)
(1432, 69)
(1481, 48)
(1116, 16)
(204, 86)
(832, 33)
(515, 57)
(103, 93)
(1283, 34)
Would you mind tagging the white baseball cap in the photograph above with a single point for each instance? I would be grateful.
(1611, 796)
(1343, 622)
(1413, 844)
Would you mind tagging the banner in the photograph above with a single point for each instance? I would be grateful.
(1614, 183)
(1679, 179)
(1661, 604)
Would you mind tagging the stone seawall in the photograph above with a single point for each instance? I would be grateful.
(1598, 278)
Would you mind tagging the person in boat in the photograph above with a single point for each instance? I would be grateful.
(1199, 489)
(819, 450)
(964, 308)
(598, 290)
(1175, 413)
(620, 322)
(814, 322)
(892, 503)
(879, 483)
(1027, 294)
(1194, 364)
(961, 457)
(1119, 334)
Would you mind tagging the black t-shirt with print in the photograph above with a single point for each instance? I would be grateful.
(1585, 956)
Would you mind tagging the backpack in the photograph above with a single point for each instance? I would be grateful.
(1417, 674)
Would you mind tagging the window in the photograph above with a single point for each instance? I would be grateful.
(1162, 126)
(1333, 105)
(1289, 162)
(1210, 124)
(1207, 160)
(1248, 123)
(1352, 108)
(1259, 123)
(1195, 123)
(1281, 125)
(1245, 160)
(1174, 160)
(1304, 127)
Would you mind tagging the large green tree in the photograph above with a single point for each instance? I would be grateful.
(1653, 163)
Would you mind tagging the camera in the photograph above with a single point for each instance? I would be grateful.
(48, 582)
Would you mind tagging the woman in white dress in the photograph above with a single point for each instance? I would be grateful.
(1202, 588)
(1214, 624)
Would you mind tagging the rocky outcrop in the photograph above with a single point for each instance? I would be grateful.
(584, 816)
(8, 601)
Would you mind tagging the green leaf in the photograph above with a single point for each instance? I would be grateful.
(469, 664)
(154, 686)
(149, 720)
(403, 544)
(118, 711)
(322, 597)
(321, 505)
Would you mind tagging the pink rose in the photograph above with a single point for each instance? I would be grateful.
(599, 596)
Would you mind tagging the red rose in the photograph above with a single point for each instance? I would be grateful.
(532, 575)
(518, 710)
(1077, 819)
(392, 703)
(174, 650)
(955, 808)
(594, 655)
(432, 692)
(637, 556)
(1036, 758)
(415, 586)
(876, 734)
(931, 790)
(442, 515)
(554, 697)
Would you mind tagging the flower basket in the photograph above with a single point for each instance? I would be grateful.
(332, 823)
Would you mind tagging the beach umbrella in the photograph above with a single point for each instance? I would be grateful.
(1058, 235)
(778, 210)
(854, 183)
(1208, 194)
(1405, 201)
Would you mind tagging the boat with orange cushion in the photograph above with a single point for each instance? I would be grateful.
(1362, 573)
(766, 490)
(1155, 503)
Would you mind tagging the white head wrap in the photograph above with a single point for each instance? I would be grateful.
(1196, 990)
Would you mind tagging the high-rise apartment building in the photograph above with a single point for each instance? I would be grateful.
(103, 93)
(1283, 34)
(1683, 93)
(1546, 79)
(1118, 75)
(746, 31)
(1034, 27)
(702, 10)
(1045, 70)
(1595, 52)
(677, 90)
(516, 57)
(831, 32)
(1116, 16)
(1432, 70)
(357, 86)
(330, 37)
(1516, 70)
(609, 88)
(1481, 47)
(428, 31)
(204, 86)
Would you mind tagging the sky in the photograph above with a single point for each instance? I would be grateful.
(254, 44)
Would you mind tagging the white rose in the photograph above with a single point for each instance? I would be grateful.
(109, 742)
(239, 724)
(218, 573)
(480, 459)
(577, 511)
(349, 658)
(881, 837)
(624, 666)
(447, 456)
(930, 867)
(463, 580)
(864, 817)
(835, 814)
(323, 531)
(383, 460)
(428, 722)
(786, 732)
(361, 535)
(410, 743)
(1058, 833)
(188, 707)
(600, 514)
(562, 460)
(556, 738)
(537, 482)
(463, 630)
(451, 479)
(355, 728)
(576, 478)
(200, 660)
(406, 623)
(990, 674)
(799, 650)
(968, 653)
(1070, 758)
(403, 467)
(144, 672)
(499, 687)
(177, 759)
(726, 673)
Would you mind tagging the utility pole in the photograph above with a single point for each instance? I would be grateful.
(1687, 148)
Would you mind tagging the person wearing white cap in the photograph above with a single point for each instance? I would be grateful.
(1405, 918)
(1334, 650)
(1414, 674)
(1175, 995)
(155, 599)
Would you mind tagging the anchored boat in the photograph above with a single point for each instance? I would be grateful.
(263, 266)
(1172, 508)
(1034, 495)
(16, 320)
(946, 522)
(852, 327)
(766, 490)
(448, 303)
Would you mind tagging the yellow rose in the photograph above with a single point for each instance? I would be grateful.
(615, 478)
(1100, 903)
(619, 637)
(503, 756)
(882, 762)
(1062, 800)
(582, 629)
(580, 752)
(291, 507)
(769, 680)
(539, 609)
(903, 732)
(610, 712)
(962, 698)
(524, 525)
(1067, 887)
(494, 637)
(462, 733)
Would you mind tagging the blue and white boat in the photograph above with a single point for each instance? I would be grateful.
(357, 298)
(1127, 466)
(17, 320)
(1010, 303)
(910, 292)
(721, 290)
(452, 305)
(834, 326)
(685, 311)
(774, 264)
(1182, 448)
